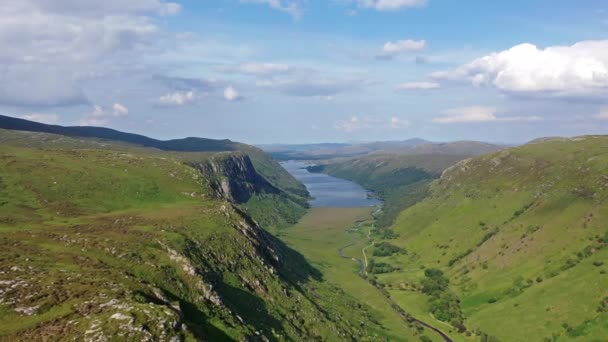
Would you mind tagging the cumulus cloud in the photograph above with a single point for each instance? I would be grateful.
(356, 123)
(178, 98)
(479, 114)
(293, 8)
(577, 70)
(391, 5)
(107, 7)
(50, 47)
(418, 86)
(230, 94)
(102, 117)
(43, 118)
(393, 49)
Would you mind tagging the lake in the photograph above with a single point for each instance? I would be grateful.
(328, 191)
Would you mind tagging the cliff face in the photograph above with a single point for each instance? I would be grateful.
(232, 176)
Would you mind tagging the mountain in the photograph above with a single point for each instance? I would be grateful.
(509, 246)
(326, 151)
(105, 240)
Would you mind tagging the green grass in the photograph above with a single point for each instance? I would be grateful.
(517, 233)
(319, 236)
(126, 245)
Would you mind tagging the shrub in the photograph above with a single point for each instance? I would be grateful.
(386, 249)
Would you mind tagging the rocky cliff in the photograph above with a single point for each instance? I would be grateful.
(232, 176)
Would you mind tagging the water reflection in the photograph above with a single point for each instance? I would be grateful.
(329, 191)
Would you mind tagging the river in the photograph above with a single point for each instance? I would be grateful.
(328, 191)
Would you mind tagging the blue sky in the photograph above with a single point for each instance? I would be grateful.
(297, 71)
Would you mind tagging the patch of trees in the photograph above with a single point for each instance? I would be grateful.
(380, 267)
(387, 234)
(444, 304)
(386, 249)
(434, 282)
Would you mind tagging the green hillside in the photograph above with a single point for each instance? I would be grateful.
(120, 245)
(74, 137)
(511, 245)
(280, 201)
(400, 180)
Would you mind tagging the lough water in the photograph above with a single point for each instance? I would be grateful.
(328, 191)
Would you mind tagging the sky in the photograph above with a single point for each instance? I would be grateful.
(308, 71)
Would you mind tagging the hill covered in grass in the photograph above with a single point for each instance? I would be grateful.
(510, 246)
(280, 201)
(399, 179)
(139, 244)
(101, 136)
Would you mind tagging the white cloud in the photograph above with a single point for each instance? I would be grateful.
(479, 114)
(230, 94)
(577, 70)
(88, 7)
(119, 110)
(468, 114)
(392, 49)
(50, 47)
(356, 123)
(292, 8)
(391, 5)
(602, 115)
(396, 122)
(418, 86)
(102, 117)
(178, 98)
(43, 118)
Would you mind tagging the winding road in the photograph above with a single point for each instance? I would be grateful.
(405, 316)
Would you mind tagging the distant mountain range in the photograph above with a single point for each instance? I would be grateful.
(412, 146)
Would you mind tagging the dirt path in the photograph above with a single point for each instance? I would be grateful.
(400, 311)
(361, 265)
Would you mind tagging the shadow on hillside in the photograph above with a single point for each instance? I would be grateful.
(250, 308)
(198, 324)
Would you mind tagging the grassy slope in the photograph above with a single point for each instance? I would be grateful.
(108, 243)
(319, 237)
(519, 233)
(21, 131)
(270, 209)
(400, 180)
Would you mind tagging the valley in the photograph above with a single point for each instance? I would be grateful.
(108, 237)
(498, 246)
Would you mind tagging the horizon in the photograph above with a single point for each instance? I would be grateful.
(305, 72)
(351, 142)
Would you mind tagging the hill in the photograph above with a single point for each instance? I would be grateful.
(400, 180)
(511, 244)
(142, 244)
(270, 169)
